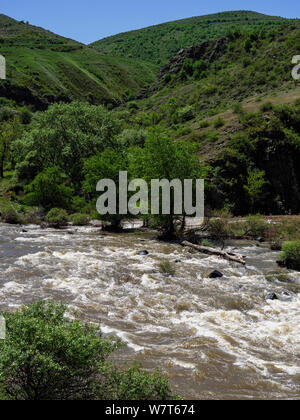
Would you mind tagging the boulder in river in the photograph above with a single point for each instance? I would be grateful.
(216, 275)
(272, 296)
(143, 253)
(96, 223)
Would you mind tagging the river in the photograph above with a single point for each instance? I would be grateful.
(213, 338)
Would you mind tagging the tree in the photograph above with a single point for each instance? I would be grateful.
(9, 131)
(108, 165)
(49, 190)
(64, 136)
(162, 158)
(255, 183)
(47, 356)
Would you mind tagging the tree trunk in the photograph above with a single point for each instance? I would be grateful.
(211, 251)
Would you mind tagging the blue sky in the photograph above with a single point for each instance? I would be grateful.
(90, 20)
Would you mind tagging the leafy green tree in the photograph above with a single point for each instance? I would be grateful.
(108, 165)
(49, 190)
(255, 184)
(162, 158)
(9, 131)
(64, 136)
(47, 356)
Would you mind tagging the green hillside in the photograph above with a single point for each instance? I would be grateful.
(43, 68)
(213, 76)
(156, 44)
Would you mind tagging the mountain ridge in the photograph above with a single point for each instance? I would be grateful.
(158, 43)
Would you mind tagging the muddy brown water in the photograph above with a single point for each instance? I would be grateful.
(213, 339)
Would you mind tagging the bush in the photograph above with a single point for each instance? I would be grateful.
(219, 122)
(47, 356)
(132, 138)
(166, 268)
(266, 107)
(57, 218)
(11, 216)
(238, 109)
(204, 124)
(79, 219)
(256, 226)
(48, 189)
(186, 113)
(291, 255)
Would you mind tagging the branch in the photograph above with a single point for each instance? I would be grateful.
(211, 251)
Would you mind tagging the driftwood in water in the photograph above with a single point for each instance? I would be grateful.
(211, 251)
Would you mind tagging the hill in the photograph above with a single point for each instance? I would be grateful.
(157, 44)
(43, 68)
(234, 98)
(215, 75)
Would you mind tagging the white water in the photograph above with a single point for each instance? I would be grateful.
(212, 338)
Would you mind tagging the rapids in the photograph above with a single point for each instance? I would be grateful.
(213, 339)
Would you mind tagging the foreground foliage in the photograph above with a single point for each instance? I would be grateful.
(291, 255)
(47, 356)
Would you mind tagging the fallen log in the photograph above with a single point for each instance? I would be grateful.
(211, 251)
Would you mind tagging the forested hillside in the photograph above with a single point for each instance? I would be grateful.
(157, 44)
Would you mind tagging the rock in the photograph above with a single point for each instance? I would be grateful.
(272, 296)
(281, 263)
(261, 240)
(144, 252)
(215, 275)
(276, 246)
(178, 261)
(95, 223)
(24, 231)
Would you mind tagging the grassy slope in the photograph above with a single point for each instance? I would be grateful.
(157, 44)
(234, 75)
(43, 67)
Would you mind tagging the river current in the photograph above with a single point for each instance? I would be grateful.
(213, 338)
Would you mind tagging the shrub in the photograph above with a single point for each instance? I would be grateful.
(132, 105)
(186, 113)
(266, 107)
(219, 122)
(11, 216)
(238, 109)
(204, 124)
(256, 226)
(57, 218)
(218, 228)
(134, 383)
(47, 356)
(167, 268)
(132, 138)
(291, 255)
(48, 189)
(79, 219)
